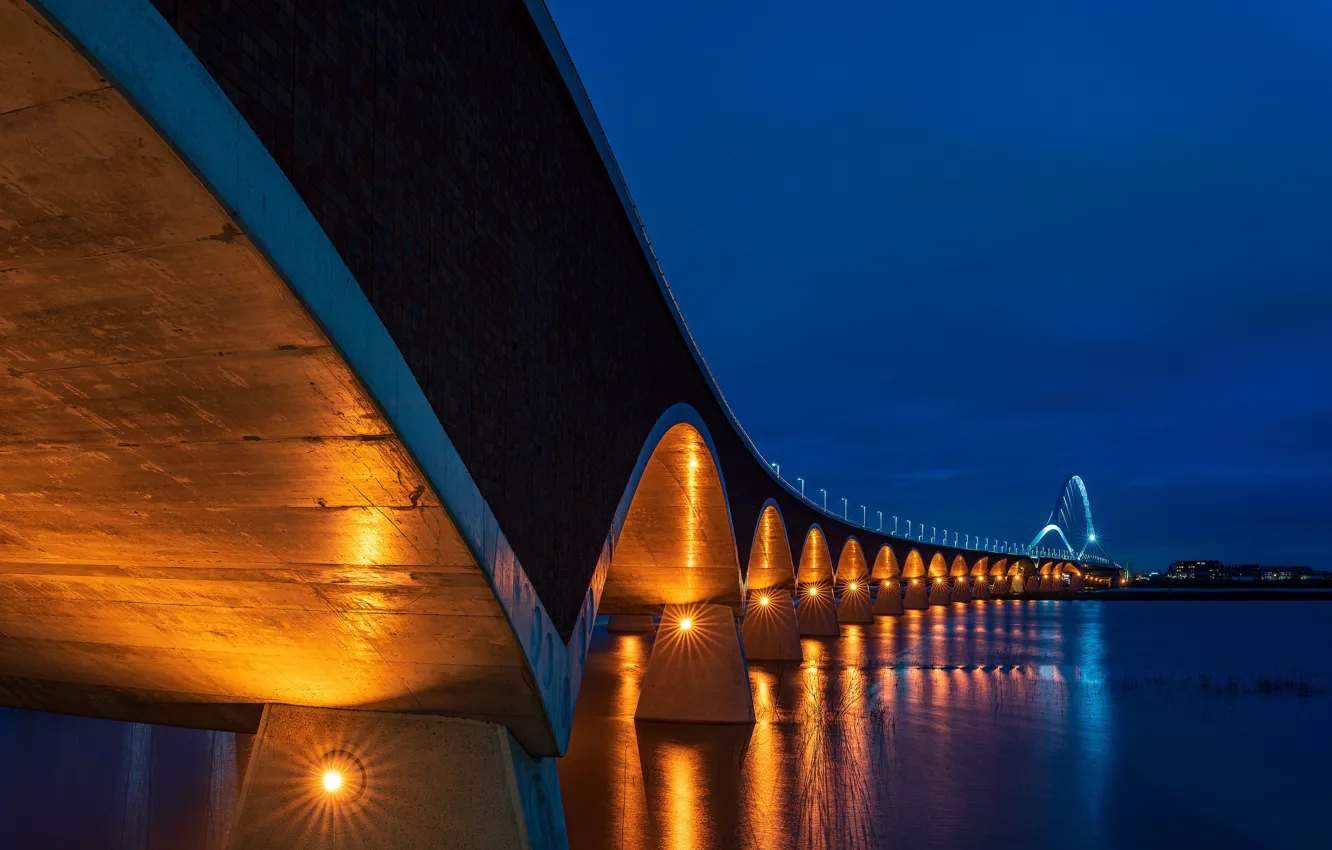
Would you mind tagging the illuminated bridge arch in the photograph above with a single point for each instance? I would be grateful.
(885, 565)
(938, 566)
(770, 563)
(815, 559)
(959, 567)
(915, 565)
(851, 564)
(676, 544)
(1071, 520)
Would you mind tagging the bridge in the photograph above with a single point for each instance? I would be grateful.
(343, 391)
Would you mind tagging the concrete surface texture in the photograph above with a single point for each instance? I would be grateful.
(328, 779)
(854, 606)
(204, 509)
(888, 599)
(676, 546)
(816, 612)
(770, 631)
(697, 672)
(917, 596)
(961, 591)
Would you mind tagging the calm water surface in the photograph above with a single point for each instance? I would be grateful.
(997, 725)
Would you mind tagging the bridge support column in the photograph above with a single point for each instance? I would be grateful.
(1047, 584)
(981, 592)
(328, 779)
(817, 616)
(1017, 585)
(939, 592)
(961, 592)
(1076, 583)
(769, 631)
(889, 598)
(917, 596)
(1000, 585)
(855, 605)
(697, 672)
(630, 623)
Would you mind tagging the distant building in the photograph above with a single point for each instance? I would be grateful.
(1286, 573)
(1217, 571)
(1244, 572)
(1197, 571)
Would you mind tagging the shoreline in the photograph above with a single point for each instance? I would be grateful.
(1192, 595)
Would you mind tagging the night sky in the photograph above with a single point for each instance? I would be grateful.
(941, 254)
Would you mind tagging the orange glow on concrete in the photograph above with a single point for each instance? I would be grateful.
(851, 565)
(885, 564)
(229, 519)
(815, 559)
(915, 565)
(770, 564)
(938, 566)
(676, 546)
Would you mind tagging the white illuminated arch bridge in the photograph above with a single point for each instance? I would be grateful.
(1071, 521)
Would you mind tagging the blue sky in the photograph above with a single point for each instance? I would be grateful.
(940, 255)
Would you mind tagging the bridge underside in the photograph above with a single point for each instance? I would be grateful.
(201, 509)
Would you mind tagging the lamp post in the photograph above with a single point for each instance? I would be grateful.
(908, 522)
(954, 539)
(778, 467)
(894, 526)
(880, 521)
(825, 499)
(844, 509)
(864, 518)
(945, 537)
(967, 544)
(933, 533)
(802, 487)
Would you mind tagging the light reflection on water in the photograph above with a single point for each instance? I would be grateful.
(1007, 724)
(996, 725)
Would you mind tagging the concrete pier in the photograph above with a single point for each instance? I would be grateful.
(939, 592)
(328, 779)
(1001, 585)
(631, 623)
(697, 672)
(770, 631)
(888, 601)
(981, 592)
(855, 604)
(961, 592)
(817, 616)
(917, 596)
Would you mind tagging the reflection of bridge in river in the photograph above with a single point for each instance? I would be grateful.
(342, 393)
